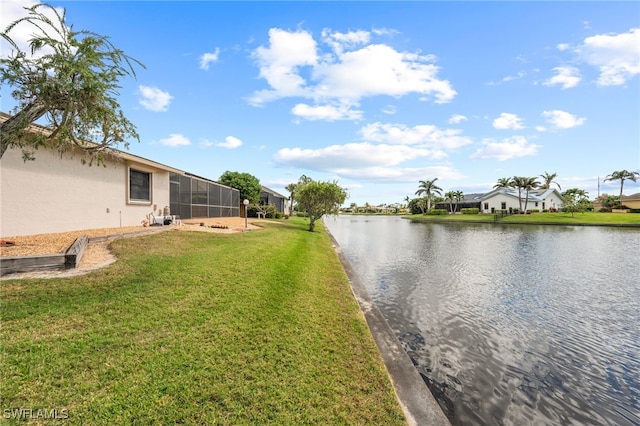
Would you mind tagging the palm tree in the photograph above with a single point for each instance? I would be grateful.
(293, 187)
(528, 185)
(504, 183)
(623, 175)
(548, 180)
(292, 190)
(453, 196)
(429, 188)
(304, 179)
(518, 182)
(459, 196)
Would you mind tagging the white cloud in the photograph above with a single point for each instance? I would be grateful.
(562, 119)
(351, 155)
(364, 161)
(518, 76)
(175, 140)
(208, 58)
(457, 118)
(154, 99)
(280, 62)
(509, 148)
(380, 70)
(563, 46)
(389, 109)
(326, 112)
(427, 136)
(507, 121)
(567, 77)
(341, 41)
(384, 31)
(399, 174)
(351, 69)
(617, 56)
(230, 142)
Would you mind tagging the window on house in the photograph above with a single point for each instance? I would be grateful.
(139, 186)
(503, 205)
(486, 206)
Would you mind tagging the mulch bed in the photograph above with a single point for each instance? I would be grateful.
(55, 243)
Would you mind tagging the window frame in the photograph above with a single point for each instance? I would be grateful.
(139, 201)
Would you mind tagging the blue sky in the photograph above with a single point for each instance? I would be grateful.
(380, 95)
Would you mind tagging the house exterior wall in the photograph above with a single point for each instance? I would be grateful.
(551, 199)
(632, 204)
(494, 203)
(58, 194)
(631, 201)
(268, 196)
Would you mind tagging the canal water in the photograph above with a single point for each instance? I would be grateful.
(509, 324)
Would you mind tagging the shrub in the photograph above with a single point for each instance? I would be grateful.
(269, 211)
(470, 210)
(437, 212)
(252, 211)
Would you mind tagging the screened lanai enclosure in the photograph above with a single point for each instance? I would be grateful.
(195, 197)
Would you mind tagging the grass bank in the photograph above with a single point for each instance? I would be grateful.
(197, 328)
(587, 218)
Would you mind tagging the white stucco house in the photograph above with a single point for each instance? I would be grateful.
(57, 193)
(507, 199)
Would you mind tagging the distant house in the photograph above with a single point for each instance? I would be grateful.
(501, 199)
(269, 196)
(468, 202)
(632, 201)
(57, 193)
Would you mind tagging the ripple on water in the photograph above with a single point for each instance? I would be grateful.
(512, 325)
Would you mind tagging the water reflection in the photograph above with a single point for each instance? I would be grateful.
(509, 324)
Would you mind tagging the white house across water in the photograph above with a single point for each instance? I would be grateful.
(501, 199)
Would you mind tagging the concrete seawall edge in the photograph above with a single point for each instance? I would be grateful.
(415, 398)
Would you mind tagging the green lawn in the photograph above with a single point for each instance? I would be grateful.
(587, 218)
(198, 328)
